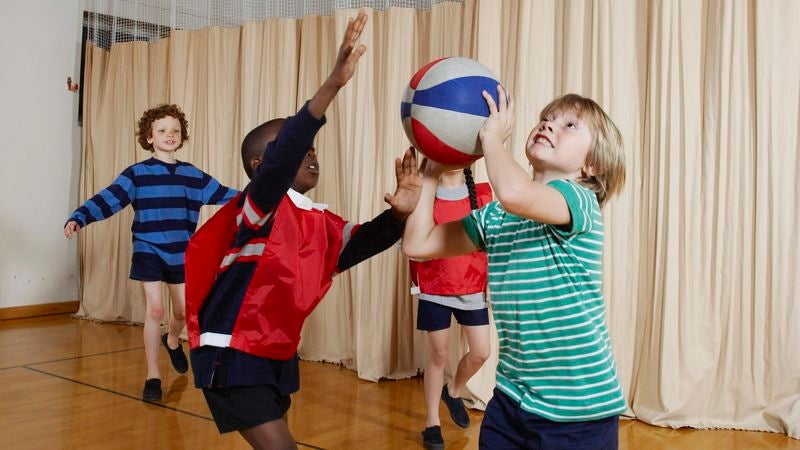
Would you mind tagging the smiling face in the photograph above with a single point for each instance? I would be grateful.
(161, 129)
(165, 134)
(308, 174)
(558, 145)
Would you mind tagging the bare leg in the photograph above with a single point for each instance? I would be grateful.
(273, 435)
(154, 313)
(471, 362)
(434, 373)
(177, 294)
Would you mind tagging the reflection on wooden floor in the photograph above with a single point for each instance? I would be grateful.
(67, 383)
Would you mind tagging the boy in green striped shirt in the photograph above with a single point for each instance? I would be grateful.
(557, 384)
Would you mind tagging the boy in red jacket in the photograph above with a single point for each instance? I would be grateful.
(258, 268)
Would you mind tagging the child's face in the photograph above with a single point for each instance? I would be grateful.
(308, 173)
(559, 145)
(165, 134)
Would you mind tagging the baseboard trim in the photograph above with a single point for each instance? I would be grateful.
(44, 309)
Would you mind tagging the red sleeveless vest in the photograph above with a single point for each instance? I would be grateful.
(293, 274)
(457, 275)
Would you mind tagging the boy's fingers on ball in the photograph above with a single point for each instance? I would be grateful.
(490, 102)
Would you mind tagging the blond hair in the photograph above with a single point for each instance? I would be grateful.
(606, 158)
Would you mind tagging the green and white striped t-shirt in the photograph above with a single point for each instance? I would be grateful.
(546, 293)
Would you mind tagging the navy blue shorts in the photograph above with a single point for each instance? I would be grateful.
(505, 426)
(433, 316)
(149, 267)
(242, 407)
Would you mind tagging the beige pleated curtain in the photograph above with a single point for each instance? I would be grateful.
(701, 260)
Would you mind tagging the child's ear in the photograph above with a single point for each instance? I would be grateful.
(588, 171)
(255, 162)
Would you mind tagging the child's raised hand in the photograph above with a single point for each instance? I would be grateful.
(409, 186)
(500, 123)
(348, 56)
(72, 227)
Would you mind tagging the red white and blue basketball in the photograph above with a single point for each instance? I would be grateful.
(443, 109)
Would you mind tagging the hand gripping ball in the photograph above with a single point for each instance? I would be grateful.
(443, 109)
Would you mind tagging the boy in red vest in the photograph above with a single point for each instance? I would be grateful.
(260, 265)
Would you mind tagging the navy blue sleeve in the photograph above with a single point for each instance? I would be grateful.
(370, 239)
(282, 159)
(107, 202)
(215, 193)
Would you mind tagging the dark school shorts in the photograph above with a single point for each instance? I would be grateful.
(433, 316)
(507, 426)
(241, 407)
(149, 267)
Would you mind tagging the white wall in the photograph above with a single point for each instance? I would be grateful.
(39, 168)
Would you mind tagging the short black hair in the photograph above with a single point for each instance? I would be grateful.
(256, 142)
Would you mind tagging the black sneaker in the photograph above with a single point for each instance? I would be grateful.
(456, 407)
(176, 356)
(432, 438)
(152, 390)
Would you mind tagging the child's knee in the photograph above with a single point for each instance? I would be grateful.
(155, 312)
(479, 355)
(439, 356)
(180, 316)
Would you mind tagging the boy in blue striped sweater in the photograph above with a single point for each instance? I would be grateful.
(166, 195)
(557, 384)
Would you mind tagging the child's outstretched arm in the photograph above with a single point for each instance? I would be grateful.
(283, 156)
(214, 192)
(422, 238)
(513, 187)
(346, 62)
(102, 205)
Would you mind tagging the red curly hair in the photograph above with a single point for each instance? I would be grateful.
(145, 126)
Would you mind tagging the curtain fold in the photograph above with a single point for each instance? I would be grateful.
(701, 262)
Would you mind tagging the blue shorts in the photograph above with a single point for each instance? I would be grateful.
(149, 267)
(433, 316)
(242, 407)
(505, 426)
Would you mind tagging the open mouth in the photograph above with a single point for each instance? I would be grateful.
(544, 140)
(313, 168)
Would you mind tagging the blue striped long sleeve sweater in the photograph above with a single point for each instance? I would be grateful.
(166, 200)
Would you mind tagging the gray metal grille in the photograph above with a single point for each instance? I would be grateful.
(110, 21)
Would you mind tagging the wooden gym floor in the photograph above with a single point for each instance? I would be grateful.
(68, 383)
